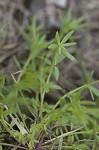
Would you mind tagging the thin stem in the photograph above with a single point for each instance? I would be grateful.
(12, 145)
(43, 94)
(56, 147)
(20, 113)
(67, 95)
(75, 90)
(19, 107)
(26, 64)
(63, 135)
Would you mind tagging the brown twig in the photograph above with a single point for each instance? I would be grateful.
(12, 145)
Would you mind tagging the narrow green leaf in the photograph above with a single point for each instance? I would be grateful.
(82, 146)
(52, 46)
(10, 111)
(69, 44)
(59, 58)
(69, 56)
(67, 37)
(54, 87)
(57, 38)
(91, 93)
(90, 77)
(87, 102)
(69, 15)
(78, 22)
(17, 63)
(56, 73)
(51, 86)
(94, 91)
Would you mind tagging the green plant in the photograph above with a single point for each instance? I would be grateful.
(68, 23)
(72, 123)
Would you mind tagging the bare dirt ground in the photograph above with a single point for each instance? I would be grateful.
(16, 14)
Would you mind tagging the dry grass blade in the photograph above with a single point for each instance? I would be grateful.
(63, 135)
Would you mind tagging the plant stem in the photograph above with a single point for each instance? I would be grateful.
(12, 145)
(75, 90)
(24, 67)
(63, 135)
(43, 93)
